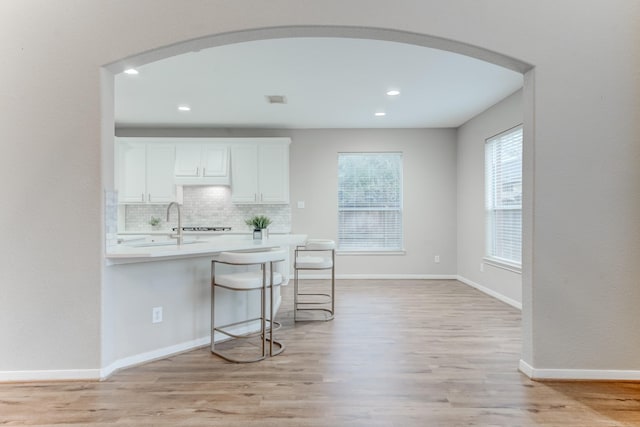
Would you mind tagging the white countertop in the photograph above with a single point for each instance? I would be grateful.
(197, 233)
(204, 246)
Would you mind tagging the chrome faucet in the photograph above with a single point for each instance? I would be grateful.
(178, 235)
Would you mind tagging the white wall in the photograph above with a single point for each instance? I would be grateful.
(580, 287)
(471, 216)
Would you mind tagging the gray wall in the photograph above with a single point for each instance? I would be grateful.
(429, 211)
(580, 279)
(429, 202)
(471, 215)
(180, 287)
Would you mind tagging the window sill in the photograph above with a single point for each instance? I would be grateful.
(359, 253)
(505, 265)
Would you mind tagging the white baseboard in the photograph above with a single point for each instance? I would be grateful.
(149, 356)
(381, 276)
(578, 374)
(490, 292)
(50, 375)
(126, 362)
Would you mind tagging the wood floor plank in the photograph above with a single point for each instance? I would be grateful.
(398, 353)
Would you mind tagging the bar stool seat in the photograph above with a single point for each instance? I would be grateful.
(263, 280)
(313, 263)
(246, 280)
(315, 254)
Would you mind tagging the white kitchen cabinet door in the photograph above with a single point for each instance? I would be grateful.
(132, 179)
(215, 160)
(202, 163)
(273, 173)
(260, 171)
(244, 173)
(188, 160)
(145, 172)
(160, 169)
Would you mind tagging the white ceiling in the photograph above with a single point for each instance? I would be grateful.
(328, 83)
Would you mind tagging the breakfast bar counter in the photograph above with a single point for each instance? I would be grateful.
(196, 246)
(156, 295)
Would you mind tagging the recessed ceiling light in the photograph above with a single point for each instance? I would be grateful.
(393, 92)
(380, 114)
(184, 108)
(131, 71)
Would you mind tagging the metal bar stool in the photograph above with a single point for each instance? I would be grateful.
(322, 257)
(247, 281)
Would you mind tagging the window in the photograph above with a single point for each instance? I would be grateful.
(503, 197)
(370, 201)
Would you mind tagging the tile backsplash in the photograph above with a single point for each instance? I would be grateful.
(206, 206)
(111, 218)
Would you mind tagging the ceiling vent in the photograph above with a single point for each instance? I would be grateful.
(276, 99)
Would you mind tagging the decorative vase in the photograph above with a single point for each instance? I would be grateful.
(260, 234)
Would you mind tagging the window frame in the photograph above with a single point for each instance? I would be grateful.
(490, 257)
(399, 250)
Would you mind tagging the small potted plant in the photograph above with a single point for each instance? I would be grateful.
(259, 223)
(154, 222)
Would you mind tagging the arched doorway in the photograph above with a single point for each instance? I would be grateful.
(362, 33)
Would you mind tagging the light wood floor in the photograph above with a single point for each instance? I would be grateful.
(399, 353)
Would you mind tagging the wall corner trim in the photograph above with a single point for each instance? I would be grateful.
(578, 374)
(490, 292)
(526, 369)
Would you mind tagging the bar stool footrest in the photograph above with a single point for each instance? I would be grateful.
(233, 360)
(326, 318)
(323, 298)
(221, 329)
(279, 350)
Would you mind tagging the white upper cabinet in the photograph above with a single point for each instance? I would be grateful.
(148, 169)
(273, 172)
(215, 161)
(160, 185)
(244, 173)
(131, 179)
(145, 171)
(187, 160)
(205, 162)
(260, 171)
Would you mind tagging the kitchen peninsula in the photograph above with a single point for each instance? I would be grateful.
(144, 278)
(194, 247)
(156, 295)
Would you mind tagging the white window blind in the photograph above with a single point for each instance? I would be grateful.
(370, 201)
(503, 196)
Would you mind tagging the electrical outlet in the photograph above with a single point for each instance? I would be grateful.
(482, 267)
(301, 205)
(437, 258)
(156, 315)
